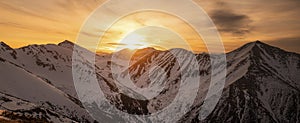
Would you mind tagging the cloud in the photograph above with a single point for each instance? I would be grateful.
(116, 44)
(22, 11)
(71, 5)
(238, 21)
(90, 34)
(33, 28)
(227, 21)
(230, 22)
(122, 44)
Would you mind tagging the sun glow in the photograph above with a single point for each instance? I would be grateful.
(134, 41)
(141, 30)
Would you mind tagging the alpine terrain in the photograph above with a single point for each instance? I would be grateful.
(36, 84)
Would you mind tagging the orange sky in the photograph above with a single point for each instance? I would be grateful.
(24, 22)
(138, 30)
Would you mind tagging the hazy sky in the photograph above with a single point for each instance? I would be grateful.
(276, 22)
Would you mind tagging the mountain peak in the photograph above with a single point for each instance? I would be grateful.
(253, 46)
(145, 50)
(125, 50)
(260, 43)
(67, 44)
(136, 51)
(256, 43)
(4, 45)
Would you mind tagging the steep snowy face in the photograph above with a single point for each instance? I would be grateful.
(266, 91)
(262, 82)
(140, 53)
(7, 52)
(284, 65)
(167, 69)
(24, 85)
(162, 72)
(51, 64)
(125, 57)
(157, 62)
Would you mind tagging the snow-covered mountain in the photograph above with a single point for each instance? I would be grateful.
(262, 83)
(40, 74)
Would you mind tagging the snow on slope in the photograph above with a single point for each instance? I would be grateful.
(262, 81)
(16, 109)
(20, 83)
(7, 52)
(52, 64)
(262, 92)
(282, 68)
(262, 84)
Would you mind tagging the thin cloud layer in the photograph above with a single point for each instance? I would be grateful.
(230, 22)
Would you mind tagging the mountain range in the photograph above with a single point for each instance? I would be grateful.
(262, 84)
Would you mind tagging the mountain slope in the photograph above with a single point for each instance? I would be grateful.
(24, 85)
(23, 78)
(262, 82)
(267, 92)
(15, 109)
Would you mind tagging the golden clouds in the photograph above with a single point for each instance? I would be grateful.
(24, 22)
(136, 21)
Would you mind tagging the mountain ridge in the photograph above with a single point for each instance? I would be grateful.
(67, 43)
(257, 75)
